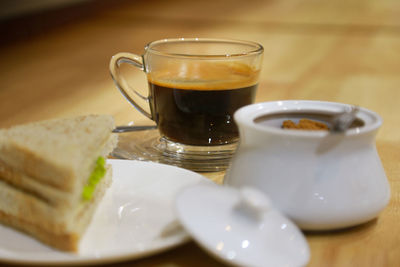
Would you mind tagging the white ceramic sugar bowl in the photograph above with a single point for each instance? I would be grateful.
(321, 180)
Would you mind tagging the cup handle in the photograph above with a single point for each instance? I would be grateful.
(122, 85)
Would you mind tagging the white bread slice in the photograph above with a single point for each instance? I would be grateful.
(54, 158)
(56, 151)
(52, 195)
(61, 229)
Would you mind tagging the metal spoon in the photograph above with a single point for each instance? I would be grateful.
(133, 128)
(342, 121)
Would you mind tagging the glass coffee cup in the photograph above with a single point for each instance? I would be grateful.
(195, 86)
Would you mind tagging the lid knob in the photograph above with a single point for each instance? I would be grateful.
(253, 204)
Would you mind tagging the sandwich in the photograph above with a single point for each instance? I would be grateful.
(53, 175)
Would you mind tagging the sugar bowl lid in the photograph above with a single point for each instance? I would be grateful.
(240, 227)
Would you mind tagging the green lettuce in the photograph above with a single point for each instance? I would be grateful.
(94, 178)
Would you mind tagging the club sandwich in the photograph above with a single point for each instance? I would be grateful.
(53, 175)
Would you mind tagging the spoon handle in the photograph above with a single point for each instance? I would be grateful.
(344, 120)
(123, 129)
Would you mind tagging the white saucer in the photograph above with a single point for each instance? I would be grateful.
(135, 219)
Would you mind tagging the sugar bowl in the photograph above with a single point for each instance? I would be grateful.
(322, 180)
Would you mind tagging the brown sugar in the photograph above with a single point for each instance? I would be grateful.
(305, 124)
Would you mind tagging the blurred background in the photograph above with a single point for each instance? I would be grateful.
(58, 51)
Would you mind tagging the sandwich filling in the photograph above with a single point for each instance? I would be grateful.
(97, 174)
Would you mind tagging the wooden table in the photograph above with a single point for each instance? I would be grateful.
(344, 51)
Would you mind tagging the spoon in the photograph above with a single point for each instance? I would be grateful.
(133, 128)
(342, 121)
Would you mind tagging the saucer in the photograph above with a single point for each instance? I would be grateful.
(148, 145)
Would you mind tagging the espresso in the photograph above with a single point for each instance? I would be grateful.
(199, 111)
(196, 117)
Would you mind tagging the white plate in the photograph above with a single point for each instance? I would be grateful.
(136, 218)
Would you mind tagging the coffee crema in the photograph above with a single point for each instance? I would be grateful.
(194, 104)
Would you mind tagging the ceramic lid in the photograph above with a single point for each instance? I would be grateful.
(240, 227)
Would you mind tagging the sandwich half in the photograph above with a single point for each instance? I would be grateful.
(53, 174)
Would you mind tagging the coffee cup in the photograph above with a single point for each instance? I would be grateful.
(194, 87)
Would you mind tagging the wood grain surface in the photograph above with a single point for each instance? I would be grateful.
(343, 51)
